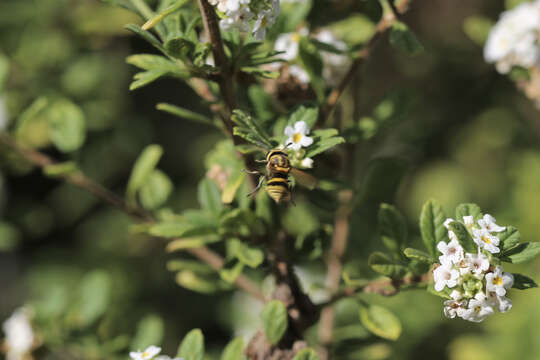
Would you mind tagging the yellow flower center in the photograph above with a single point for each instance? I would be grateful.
(486, 240)
(295, 37)
(297, 137)
(145, 354)
(477, 308)
(497, 281)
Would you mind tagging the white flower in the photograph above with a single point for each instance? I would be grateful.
(468, 221)
(485, 240)
(445, 275)
(237, 19)
(297, 136)
(502, 303)
(450, 252)
(498, 282)
(335, 65)
(307, 163)
(488, 223)
(265, 19)
(478, 263)
(453, 308)
(456, 295)
(147, 354)
(299, 73)
(514, 38)
(451, 234)
(288, 43)
(478, 309)
(19, 334)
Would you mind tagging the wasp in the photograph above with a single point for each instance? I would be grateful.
(278, 169)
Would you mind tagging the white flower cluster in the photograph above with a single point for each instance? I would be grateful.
(150, 354)
(20, 338)
(476, 286)
(514, 40)
(240, 14)
(335, 65)
(297, 137)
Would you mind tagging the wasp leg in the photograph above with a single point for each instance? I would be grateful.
(292, 200)
(261, 179)
(254, 172)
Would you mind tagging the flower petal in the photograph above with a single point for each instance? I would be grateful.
(306, 141)
(301, 127)
(289, 131)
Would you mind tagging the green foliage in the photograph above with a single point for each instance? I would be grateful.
(234, 350)
(432, 226)
(477, 28)
(275, 322)
(93, 298)
(418, 255)
(523, 282)
(306, 354)
(392, 227)
(521, 253)
(248, 256)
(463, 236)
(468, 210)
(192, 347)
(385, 265)
(150, 331)
(184, 113)
(508, 239)
(403, 39)
(143, 170)
(380, 321)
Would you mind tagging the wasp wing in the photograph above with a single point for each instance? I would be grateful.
(304, 178)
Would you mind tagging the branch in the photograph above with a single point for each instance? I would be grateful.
(384, 287)
(384, 24)
(339, 243)
(226, 76)
(80, 180)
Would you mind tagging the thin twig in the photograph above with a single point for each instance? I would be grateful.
(225, 81)
(80, 180)
(339, 244)
(384, 24)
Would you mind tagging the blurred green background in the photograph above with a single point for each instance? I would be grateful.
(462, 132)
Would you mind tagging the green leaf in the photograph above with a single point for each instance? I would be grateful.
(179, 48)
(142, 170)
(67, 124)
(477, 28)
(251, 257)
(403, 39)
(231, 274)
(233, 184)
(463, 236)
(191, 242)
(350, 332)
(150, 331)
(159, 17)
(192, 347)
(311, 61)
(9, 236)
(156, 190)
(324, 145)
(144, 78)
(191, 265)
(418, 255)
(94, 296)
(432, 226)
(4, 72)
(275, 321)
(468, 210)
(185, 113)
(178, 229)
(354, 29)
(521, 253)
(234, 350)
(146, 36)
(60, 169)
(523, 282)
(306, 354)
(154, 62)
(209, 196)
(384, 265)
(265, 74)
(508, 238)
(307, 113)
(380, 321)
(194, 282)
(392, 227)
(126, 4)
